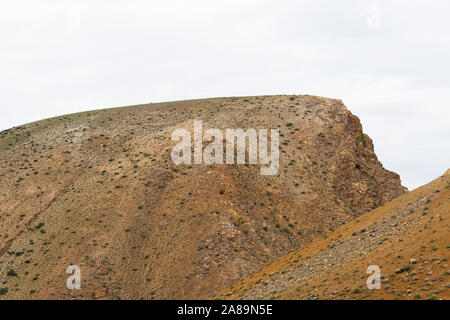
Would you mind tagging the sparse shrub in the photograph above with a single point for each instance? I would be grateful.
(357, 290)
(363, 140)
(12, 273)
(39, 225)
(407, 267)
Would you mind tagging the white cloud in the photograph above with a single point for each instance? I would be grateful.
(64, 56)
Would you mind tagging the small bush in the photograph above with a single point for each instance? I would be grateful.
(12, 273)
(39, 225)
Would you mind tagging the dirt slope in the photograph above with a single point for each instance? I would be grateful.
(99, 190)
(408, 238)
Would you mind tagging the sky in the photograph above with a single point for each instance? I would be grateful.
(387, 60)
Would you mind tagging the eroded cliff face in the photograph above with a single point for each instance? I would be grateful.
(355, 172)
(99, 190)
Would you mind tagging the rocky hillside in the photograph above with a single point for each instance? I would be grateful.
(99, 190)
(407, 238)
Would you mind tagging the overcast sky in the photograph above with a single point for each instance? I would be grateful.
(387, 60)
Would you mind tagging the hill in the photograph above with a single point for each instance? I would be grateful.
(99, 190)
(408, 238)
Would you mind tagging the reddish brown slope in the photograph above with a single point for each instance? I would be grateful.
(99, 190)
(408, 238)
